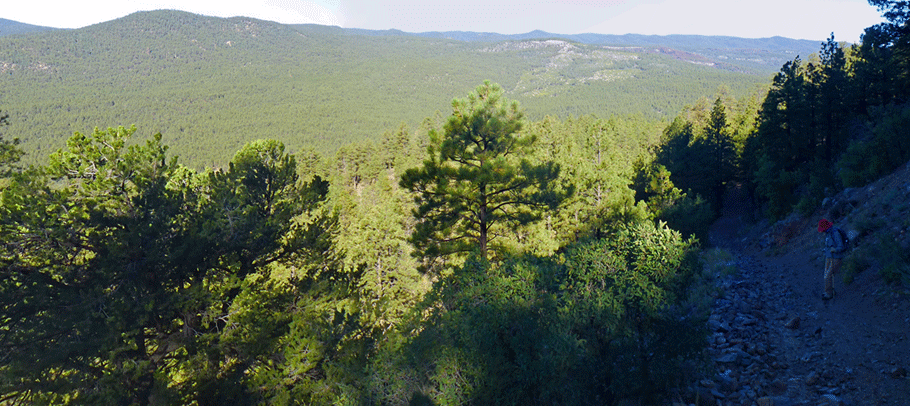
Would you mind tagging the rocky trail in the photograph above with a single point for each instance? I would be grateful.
(774, 341)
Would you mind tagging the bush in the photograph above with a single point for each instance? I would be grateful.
(855, 263)
(865, 225)
(894, 273)
(607, 319)
(487, 335)
(895, 261)
(632, 287)
(690, 216)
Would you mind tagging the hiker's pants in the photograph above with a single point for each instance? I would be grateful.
(832, 265)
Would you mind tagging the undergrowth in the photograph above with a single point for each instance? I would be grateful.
(718, 262)
(854, 264)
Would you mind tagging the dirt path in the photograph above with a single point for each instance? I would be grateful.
(776, 342)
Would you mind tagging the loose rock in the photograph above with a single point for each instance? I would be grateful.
(898, 372)
(793, 324)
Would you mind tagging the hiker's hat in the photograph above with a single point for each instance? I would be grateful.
(824, 225)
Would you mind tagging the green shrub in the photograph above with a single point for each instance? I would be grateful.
(690, 216)
(894, 273)
(627, 295)
(855, 263)
(865, 225)
(608, 319)
(895, 261)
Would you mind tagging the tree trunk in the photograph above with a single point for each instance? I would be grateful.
(483, 223)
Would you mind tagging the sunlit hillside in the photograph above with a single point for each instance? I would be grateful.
(210, 84)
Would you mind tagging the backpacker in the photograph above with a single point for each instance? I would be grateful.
(845, 239)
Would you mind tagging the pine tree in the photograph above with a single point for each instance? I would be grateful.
(10, 153)
(834, 103)
(722, 153)
(478, 181)
(127, 277)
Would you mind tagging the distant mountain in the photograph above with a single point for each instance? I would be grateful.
(687, 42)
(10, 27)
(211, 84)
(761, 54)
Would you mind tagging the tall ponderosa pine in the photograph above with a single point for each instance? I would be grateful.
(721, 154)
(783, 121)
(809, 116)
(875, 69)
(833, 101)
(477, 181)
(703, 163)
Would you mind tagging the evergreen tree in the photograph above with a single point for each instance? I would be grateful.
(721, 154)
(875, 69)
(783, 144)
(10, 153)
(834, 103)
(126, 277)
(783, 121)
(896, 11)
(676, 155)
(477, 181)
(597, 155)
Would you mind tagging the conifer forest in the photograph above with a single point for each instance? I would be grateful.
(524, 227)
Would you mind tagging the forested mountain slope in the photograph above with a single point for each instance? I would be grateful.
(753, 55)
(499, 253)
(10, 27)
(210, 84)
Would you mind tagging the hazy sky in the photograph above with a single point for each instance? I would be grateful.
(802, 19)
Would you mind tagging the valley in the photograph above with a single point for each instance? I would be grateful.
(210, 84)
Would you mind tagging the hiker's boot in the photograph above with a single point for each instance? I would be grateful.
(829, 288)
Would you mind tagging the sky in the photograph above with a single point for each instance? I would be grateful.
(800, 19)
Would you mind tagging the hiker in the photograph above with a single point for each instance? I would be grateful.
(835, 246)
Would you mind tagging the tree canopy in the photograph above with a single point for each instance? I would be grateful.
(519, 262)
(478, 182)
(121, 268)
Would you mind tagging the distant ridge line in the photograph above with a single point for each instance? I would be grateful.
(640, 40)
(681, 41)
(10, 27)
